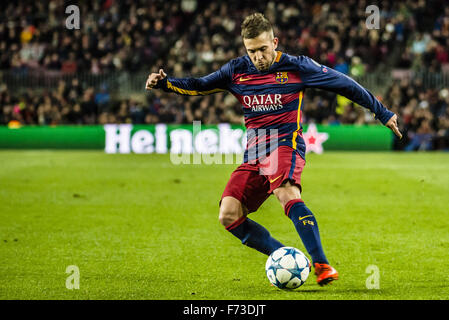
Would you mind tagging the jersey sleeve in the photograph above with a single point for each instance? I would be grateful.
(215, 82)
(315, 75)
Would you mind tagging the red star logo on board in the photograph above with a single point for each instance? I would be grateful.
(314, 139)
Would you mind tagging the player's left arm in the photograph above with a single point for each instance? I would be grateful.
(315, 75)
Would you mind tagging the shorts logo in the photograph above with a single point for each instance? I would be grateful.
(281, 77)
(273, 180)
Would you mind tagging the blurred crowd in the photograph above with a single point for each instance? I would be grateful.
(424, 115)
(195, 37)
(113, 35)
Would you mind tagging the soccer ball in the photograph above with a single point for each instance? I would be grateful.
(287, 268)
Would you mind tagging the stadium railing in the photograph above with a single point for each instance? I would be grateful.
(123, 82)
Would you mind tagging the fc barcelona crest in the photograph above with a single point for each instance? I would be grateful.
(281, 77)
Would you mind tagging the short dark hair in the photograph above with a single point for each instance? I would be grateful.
(254, 25)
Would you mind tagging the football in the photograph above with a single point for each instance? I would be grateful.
(287, 268)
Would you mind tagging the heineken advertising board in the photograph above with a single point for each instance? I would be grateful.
(196, 138)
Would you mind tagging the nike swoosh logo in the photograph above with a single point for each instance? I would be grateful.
(244, 79)
(271, 181)
(305, 217)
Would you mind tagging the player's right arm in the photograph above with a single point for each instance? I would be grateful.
(212, 83)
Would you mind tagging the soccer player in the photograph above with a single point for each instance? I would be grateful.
(270, 86)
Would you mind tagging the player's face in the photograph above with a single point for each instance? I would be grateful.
(262, 50)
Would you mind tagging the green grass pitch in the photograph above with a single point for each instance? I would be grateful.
(139, 227)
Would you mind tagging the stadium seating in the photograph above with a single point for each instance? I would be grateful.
(124, 40)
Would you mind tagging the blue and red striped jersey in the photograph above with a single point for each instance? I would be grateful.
(272, 100)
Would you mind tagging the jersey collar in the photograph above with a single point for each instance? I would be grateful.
(278, 57)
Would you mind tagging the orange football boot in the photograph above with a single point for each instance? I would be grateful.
(325, 273)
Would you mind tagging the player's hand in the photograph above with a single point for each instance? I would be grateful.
(393, 125)
(154, 78)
